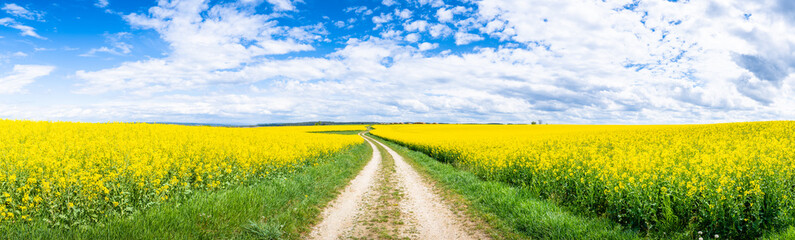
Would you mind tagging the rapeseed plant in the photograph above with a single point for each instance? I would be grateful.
(66, 173)
(733, 180)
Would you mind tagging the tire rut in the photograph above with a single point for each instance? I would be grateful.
(389, 199)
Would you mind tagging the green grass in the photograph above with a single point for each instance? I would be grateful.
(512, 211)
(278, 207)
(787, 233)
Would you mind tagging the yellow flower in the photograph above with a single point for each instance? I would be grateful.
(711, 165)
(80, 163)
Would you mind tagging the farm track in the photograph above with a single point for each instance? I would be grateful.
(389, 199)
(340, 216)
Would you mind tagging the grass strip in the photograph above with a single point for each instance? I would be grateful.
(786, 233)
(513, 210)
(278, 207)
(382, 217)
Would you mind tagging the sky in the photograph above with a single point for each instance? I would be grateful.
(474, 61)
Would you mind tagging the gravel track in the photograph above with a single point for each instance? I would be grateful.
(340, 216)
(422, 210)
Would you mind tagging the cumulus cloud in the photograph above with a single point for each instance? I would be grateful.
(381, 19)
(447, 14)
(440, 30)
(762, 69)
(403, 14)
(416, 26)
(463, 38)
(283, 5)
(559, 61)
(432, 3)
(444, 15)
(694, 52)
(412, 37)
(21, 76)
(427, 46)
(228, 37)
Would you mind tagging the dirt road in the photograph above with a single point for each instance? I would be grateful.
(391, 200)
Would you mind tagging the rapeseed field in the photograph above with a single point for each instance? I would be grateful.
(67, 174)
(734, 180)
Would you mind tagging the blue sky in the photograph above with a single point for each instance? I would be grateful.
(257, 61)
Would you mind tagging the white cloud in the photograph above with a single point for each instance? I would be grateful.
(383, 18)
(427, 46)
(414, 105)
(432, 3)
(391, 34)
(416, 26)
(403, 14)
(118, 46)
(412, 37)
(26, 30)
(227, 36)
(101, 3)
(20, 54)
(21, 76)
(282, 5)
(389, 2)
(231, 108)
(19, 11)
(360, 10)
(92, 52)
(559, 61)
(444, 15)
(463, 38)
(440, 30)
(686, 51)
(493, 26)
(308, 33)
